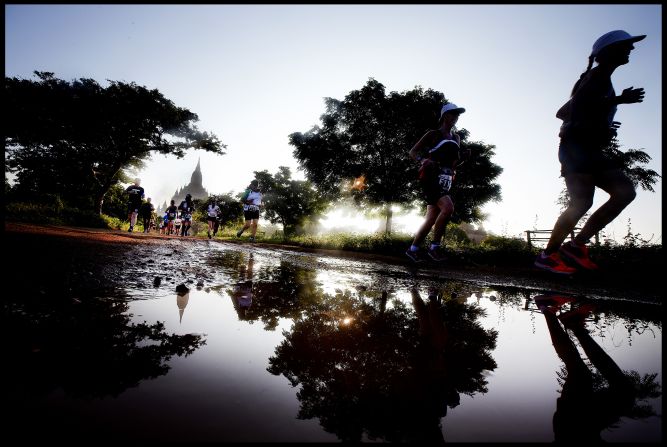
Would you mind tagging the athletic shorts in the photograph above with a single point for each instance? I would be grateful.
(577, 157)
(132, 209)
(251, 214)
(433, 188)
(211, 219)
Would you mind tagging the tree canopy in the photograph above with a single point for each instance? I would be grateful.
(75, 139)
(361, 149)
(293, 203)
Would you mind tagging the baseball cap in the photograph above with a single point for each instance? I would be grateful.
(451, 107)
(613, 37)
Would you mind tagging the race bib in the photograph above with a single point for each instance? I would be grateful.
(445, 181)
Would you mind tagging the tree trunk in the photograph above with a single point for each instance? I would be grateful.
(389, 213)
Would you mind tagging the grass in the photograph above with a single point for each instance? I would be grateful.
(625, 259)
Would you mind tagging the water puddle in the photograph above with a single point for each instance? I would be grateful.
(275, 347)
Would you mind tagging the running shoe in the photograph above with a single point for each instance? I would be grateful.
(239, 233)
(577, 253)
(576, 318)
(553, 263)
(209, 235)
(129, 230)
(414, 255)
(251, 238)
(551, 302)
(435, 254)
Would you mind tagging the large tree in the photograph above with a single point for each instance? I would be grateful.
(361, 149)
(75, 139)
(293, 203)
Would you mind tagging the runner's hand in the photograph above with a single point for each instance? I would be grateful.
(631, 95)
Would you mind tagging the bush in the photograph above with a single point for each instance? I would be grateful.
(52, 212)
(32, 213)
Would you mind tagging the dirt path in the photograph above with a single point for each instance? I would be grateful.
(87, 259)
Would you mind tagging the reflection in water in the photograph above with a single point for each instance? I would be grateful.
(182, 298)
(589, 403)
(87, 347)
(367, 370)
(242, 292)
(371, 359)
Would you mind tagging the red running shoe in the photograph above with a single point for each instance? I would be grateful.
(553, 263)
(577, 253)
(576, 317)
(551, 302)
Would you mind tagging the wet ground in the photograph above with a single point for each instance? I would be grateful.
(117, 337)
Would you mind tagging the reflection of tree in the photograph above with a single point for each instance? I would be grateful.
(366, 371)
(87, 347)
(278, 291)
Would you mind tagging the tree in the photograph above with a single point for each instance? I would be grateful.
(231, 210)
(293, 203)
(76, 139)
(361, 149)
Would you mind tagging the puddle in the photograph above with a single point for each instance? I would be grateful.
(266, 346)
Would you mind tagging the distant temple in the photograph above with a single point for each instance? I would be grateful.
(194, 188)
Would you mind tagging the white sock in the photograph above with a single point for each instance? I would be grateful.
(434, 246)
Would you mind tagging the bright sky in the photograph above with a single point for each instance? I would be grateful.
(256, 73)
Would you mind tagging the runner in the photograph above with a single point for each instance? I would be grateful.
(186, 208)
(146, 211)
(439, 153)
(136, 194)
(172, 214)
(587, 131)
(213, 211)
(252, 202)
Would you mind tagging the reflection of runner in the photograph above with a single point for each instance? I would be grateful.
(583, 409)
(433, 389)
(242, 293)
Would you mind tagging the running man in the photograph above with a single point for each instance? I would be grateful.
(136, 194)
(252, 202)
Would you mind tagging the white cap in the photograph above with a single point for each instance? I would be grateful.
(451, 107)
(613, 37)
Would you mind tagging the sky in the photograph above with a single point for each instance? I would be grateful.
(256, 73)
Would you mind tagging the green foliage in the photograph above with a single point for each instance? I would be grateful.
(508, 244)
(115, 202)
(76, 139)
(293, 203)
(230, 207)
(113, 222)
(367, 136)
(374, 243)
(630, 162)
(53, 214)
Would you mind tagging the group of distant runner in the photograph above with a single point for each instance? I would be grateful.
(177, 220)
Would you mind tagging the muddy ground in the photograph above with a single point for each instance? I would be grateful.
(78, 261)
